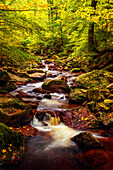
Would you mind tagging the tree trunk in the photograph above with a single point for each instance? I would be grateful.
(91, 42)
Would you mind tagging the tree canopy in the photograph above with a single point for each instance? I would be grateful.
(62, 27)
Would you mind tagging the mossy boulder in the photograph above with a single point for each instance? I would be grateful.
(77, 95)
(94, 94)
(4, 77)
(56, 85)
(11, 144)
(16, 78)
(13, 112)
(102, 61)
(95, 79)
(7, 87)
(101, 106)
(86, 141)
(106, 118)
(5, 84)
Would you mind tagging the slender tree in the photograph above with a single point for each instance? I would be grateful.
(91, 41)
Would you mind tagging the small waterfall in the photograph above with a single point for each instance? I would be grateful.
(61, 134)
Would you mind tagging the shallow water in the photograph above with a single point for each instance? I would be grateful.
(53, 149)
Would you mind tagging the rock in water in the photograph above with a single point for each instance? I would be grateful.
(86, 141)
(56, 85)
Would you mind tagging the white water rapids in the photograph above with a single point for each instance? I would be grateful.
(61, 134)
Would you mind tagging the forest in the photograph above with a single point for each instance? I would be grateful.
(56, 84)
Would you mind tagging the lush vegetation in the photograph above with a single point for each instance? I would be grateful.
(59, 27)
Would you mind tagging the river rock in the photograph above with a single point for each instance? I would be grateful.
(5, 84)
(15, 78)
(96, 78)
(11, 144)
(94, 94)
(36, 73)
(102, 61)
(77, 95)
(47, 96)
(39, 90)
(4, 77)
(13, 112)
(56, 85)
(86, 141)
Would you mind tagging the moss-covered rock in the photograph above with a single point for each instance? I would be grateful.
(7, 81)
(11, 144)
(101, 106)
(106, 118)
(102, 60)
(55, 85)
(86, 141)
(6, 87)
(13, 112)
(16, 78)
(92, 106)
(4, 77)
(77, 95)
(95, 79)
(94, 94)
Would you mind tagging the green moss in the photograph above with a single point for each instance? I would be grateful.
(86, 141)
(13, 112)
(94, 94)
(77, 95)
(4, 76)
(10, 143)
(102, 106)
(55, 84)
(95, 79)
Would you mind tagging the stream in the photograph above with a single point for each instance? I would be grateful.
(52, 148)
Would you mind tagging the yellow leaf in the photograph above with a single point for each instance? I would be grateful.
(82, 118)
(86, 118)
(24, 126)
(4, 150)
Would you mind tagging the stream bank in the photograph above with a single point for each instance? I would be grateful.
(55, 101)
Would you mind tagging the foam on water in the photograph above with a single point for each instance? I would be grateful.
(61, 134)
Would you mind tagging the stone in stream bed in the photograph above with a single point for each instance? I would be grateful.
(56, 85)
(77, 95)
(95, 79)
(39, 90)
(5, 82)
(36, 73)
(86, 141)
(14, 112)
(11, 145)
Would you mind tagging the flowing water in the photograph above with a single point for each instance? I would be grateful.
(52, 149)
